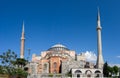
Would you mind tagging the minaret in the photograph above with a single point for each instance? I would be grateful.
(22, 43)
(100, 61)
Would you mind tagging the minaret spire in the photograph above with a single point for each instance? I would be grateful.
(100, 61)
(23, 29)
(98, 20)
(22, 42)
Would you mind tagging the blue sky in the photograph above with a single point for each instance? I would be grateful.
(69, 22)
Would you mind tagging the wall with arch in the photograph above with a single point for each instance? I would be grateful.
(87, 72)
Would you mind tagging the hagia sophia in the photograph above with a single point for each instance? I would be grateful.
(59, 59)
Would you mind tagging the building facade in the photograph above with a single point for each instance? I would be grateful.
(59, 59)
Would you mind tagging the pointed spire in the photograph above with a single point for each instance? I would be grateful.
(22, 42)
(98, 20)
(23, 29)
(98, 17)
(100, 60)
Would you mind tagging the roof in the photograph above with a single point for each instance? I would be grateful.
(58, 47)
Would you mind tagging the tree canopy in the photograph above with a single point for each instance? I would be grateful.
(12, 65)
(108, 71)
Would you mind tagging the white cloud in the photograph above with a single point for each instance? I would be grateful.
(118, 56)
(114, 65)
(90, 56)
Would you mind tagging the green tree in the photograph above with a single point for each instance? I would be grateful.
(11, 65)
(116, 69)
(105, 70)
(7, 60)
(119, 72)
(21, 73)
(1, 69)
(20, 62)
(110, 70)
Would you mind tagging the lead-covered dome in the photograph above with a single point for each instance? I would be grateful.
(58, 47)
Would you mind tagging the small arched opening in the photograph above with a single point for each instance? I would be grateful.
(55, 65)
(45, 68)
(88, 73)
(78, 72)
(97, 72)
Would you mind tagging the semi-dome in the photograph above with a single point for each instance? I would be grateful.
(58, 47)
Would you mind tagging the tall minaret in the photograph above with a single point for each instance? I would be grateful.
(100, 61)
(22, 42)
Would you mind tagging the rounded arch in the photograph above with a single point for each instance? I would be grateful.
(78, 71)
(55, 65)
(45, 66)
(88, 72)
(97, 71)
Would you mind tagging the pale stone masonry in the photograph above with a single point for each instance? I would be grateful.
(100, 61)
(22, 43)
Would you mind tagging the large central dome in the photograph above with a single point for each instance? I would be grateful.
(58, 47)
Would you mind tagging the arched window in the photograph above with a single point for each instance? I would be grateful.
(97, 73)
(55, 65)
(78, 71)
(89, 73)
(45, 66)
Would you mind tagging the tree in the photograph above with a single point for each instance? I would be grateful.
(21, 73)
(7, 60)
(1, 69)
(105, 70)
(116, 69)
(9, 63)
(119, 72)
(110, 70)
(21, 62)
